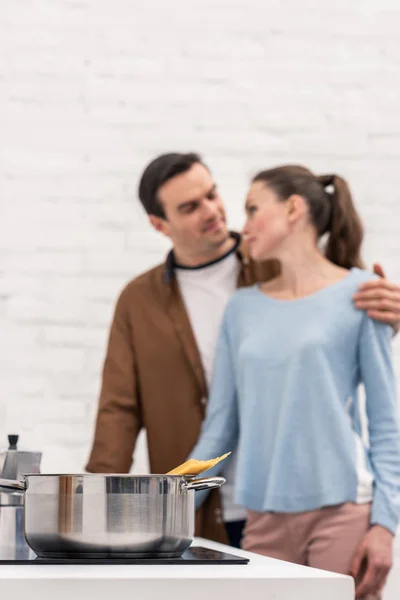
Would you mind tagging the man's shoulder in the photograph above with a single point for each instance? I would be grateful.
(144, 287)
(146, 279)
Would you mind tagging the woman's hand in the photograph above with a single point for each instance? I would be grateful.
(372, 561)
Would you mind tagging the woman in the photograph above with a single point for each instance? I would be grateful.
(292, 353)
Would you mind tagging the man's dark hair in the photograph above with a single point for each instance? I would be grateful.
(160, 170)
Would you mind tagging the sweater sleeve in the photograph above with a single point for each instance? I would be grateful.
(383, 420)
(220, 427)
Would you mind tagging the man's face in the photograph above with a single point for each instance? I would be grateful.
(194, 213)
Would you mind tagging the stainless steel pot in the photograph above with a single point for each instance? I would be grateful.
(13, 463)
(100, 516)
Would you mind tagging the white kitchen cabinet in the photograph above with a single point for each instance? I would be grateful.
(392, 589)
(263, 577)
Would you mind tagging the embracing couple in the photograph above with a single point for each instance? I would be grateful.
(271, 371)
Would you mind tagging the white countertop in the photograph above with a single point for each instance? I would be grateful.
(263, 577)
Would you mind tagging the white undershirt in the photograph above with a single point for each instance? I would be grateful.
(206, 291)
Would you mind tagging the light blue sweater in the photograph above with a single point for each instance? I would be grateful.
(284, 389)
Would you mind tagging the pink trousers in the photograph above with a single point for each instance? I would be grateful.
(325, 539)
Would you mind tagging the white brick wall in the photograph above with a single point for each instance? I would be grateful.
(90, 90)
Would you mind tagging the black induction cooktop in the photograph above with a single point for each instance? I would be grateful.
(196, 555)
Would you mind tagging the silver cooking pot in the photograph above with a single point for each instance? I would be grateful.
(100, 516)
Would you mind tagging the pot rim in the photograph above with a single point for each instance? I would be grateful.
(107, 475)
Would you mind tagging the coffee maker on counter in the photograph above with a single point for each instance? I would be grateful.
(13, 464)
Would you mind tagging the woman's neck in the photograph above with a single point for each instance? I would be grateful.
(302, 272)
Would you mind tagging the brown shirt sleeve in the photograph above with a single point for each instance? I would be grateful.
(119, 418)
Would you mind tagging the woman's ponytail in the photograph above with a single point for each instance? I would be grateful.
(345, 227)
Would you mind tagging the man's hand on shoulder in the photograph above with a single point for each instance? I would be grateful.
(380, 298)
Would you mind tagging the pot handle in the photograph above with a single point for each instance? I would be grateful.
(207, 483)
(13, 485)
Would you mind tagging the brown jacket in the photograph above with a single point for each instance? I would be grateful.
(153, 378)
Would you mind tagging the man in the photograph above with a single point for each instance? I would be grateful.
(162, 340)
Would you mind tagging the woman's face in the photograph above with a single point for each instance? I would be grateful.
(267, 224)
